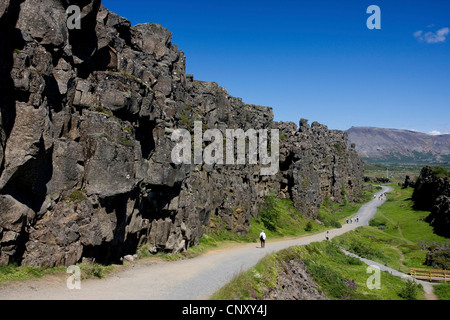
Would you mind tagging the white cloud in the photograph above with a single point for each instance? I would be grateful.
(439, 132)
(432, 37)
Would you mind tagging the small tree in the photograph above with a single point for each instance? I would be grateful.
(309, 226)
(344, 195)
(410, 290)
(268, 212)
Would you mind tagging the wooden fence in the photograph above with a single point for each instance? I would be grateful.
(430, 274)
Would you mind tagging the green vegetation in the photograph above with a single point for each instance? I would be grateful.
(289, 222)
(103, 110)
(12, 272)
(397, 173)
(417, 159)
(339, 148)
(268, 212)
(442, 291)
(185, 121)
(397, 235)
(77, 195)
(126, 142)
(95, 270)
(411, 290)
(441, 172)
(278, 218)
(17, 51)
(329, 268)
(333, 214)
(250, 285)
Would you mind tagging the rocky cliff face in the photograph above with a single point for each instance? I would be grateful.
(85, 142)
(432, 193)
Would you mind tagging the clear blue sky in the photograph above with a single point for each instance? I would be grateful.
(317, 59)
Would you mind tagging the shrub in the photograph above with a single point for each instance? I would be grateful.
(410, 290)
(442, 291)
(95, 270)
(309, 226)
(329, 220)
(378, 223)
(77, 195)
(344, 196)
(268, 212)
(440, 172)
(327, 278)
(365, 250)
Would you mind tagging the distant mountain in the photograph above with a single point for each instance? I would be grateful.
(400, 147)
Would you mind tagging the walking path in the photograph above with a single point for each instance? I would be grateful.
(190, 279)
(427, 286)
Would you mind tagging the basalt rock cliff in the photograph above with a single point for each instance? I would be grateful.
(432, 193)
(85, 142)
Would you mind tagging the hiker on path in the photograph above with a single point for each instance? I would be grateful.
(327, 236)
(347, 219)
(262, 238)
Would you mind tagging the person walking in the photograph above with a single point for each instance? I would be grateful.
(262, 238)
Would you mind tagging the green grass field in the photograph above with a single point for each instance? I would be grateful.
(397, 173)
(397, 236)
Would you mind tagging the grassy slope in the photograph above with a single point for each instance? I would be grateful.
(14, 273)
(327, 265)
(398, 238)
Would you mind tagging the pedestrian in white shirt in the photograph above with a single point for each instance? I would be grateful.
(262, 238)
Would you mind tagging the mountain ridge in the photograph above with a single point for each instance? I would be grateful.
(399, 146)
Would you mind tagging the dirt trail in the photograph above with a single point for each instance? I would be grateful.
(189, 279)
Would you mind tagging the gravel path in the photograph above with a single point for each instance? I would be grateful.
(189, 279)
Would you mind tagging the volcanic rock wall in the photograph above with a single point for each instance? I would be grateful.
(432, 193)
(85, 142)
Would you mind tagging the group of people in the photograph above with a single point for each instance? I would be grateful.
(351, 220)
(262, 235)
(380, 196)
